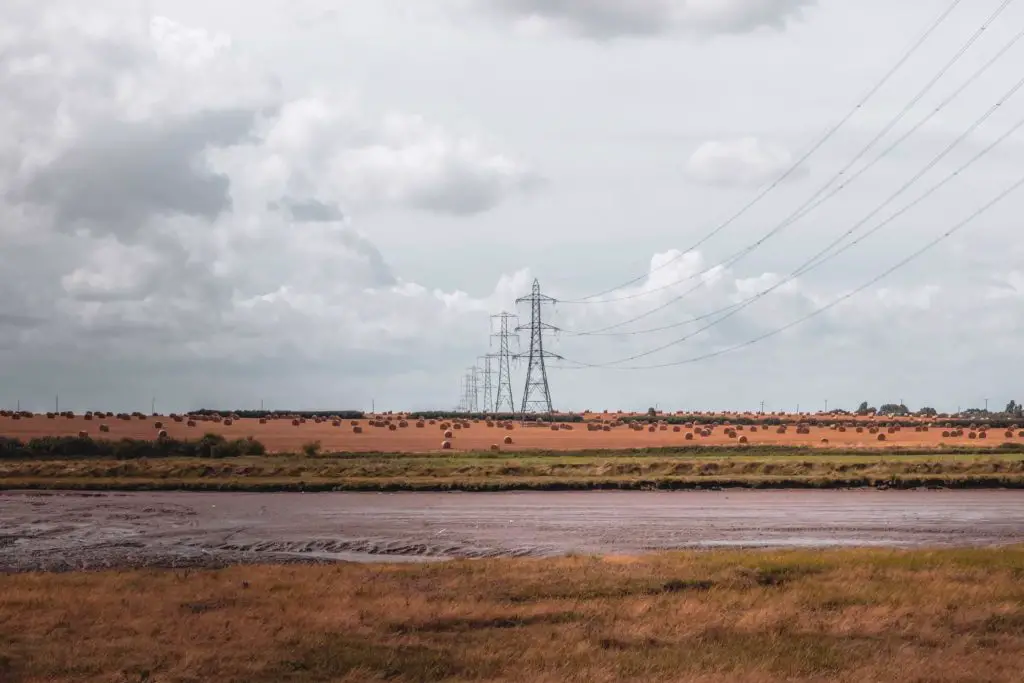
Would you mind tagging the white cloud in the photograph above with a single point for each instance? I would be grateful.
(605, 19)
(742, 162)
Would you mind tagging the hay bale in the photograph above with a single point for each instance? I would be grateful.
(972, 435)
(676, 429)
(446, 445)
(83, 435)
(495, 447)
(652, 428)
(689, 436)
(228, 422)
(824, 442)
(191, 423)
(945, 435)
(403, 424)
(449, 434)
(508, 440)
(162, 434)
(1009, 434)
(860, 430)
(982, 435)
(554, 428)
(158, 425)
(744, 439)
(393, 427)
(295, 423)
(606, 428)
(335, 423)
(357, 430)
(881, 437)
(509, 426)
(51, 416)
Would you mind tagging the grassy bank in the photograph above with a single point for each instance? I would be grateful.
(654, 469)
(848, 616)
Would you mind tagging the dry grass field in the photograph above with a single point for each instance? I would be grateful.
(281, 436)
(717, 617)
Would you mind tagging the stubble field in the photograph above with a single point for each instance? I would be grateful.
(280, 436)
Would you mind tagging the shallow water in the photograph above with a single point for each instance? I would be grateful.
(64, 530)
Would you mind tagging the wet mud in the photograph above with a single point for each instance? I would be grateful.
(62, 531)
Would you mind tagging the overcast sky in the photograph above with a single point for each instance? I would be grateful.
(320, 204)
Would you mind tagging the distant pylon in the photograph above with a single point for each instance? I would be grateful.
(487, 392)
(472, 390)
(506, 333)
(537, 393)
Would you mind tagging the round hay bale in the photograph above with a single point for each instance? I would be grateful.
(446, 445)
(191, 423)
(780, 430)
(509, 426)
(982, 435)
(228, 422)
(652, 428)
(83, 435)
(972, 435)
(263, 420)
(508, 440)
(1009, 434)
(357, 430)
(353, 423)
(433, 422)
(606, 428)
(105, 428)
(824, 442)
(421, 424)
(495, 447)
(490, 423)
(393, 427)
(677, 429)
(554, 428)
(457, 425)
(860, 430)
(881, 437)
(403, 424)
(449, 434)
(744, 439)
(335, 423)
(295, 423)
(162, 434)
(158, 425)
(945, 435)
(689, 436)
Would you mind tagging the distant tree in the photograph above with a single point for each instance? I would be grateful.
(894, 409)
(652, 412)
(865, 409)
(1015, 409)
(928, 412)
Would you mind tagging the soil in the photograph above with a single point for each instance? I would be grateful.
(74, 531)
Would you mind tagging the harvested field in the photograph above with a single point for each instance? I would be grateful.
(712, 617)
(282, 436)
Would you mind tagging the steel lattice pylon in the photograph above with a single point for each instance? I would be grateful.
(537, 392)
(505, 335)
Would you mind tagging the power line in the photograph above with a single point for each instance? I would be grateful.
(832, 304)
(505, 335)
(813, 262)
(799, 162)
(822, 195)
(537, 392)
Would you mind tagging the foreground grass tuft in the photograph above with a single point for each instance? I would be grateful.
(849, 616)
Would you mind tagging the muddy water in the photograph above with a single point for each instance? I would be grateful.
(56, 531)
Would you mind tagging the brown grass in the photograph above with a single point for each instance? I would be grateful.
(849, 616)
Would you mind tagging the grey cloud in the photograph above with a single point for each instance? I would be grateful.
(126, 172)
(465, 191)
(605, 19)
(309, 210)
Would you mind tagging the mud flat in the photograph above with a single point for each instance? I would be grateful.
(66, 531)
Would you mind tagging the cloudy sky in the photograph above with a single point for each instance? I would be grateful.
(320, 204)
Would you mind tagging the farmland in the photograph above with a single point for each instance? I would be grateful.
(398, 435)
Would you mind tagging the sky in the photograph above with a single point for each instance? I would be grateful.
(321, 205)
